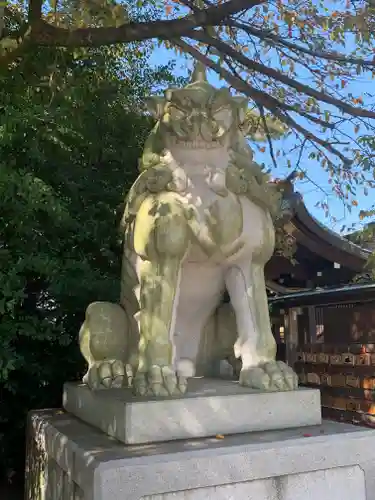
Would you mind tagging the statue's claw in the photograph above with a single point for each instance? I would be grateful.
(108, 374)
(159, 381)
(271, 376)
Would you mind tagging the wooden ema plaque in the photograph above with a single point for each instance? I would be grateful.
(345, 375)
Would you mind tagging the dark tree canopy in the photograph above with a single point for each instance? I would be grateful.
(70, 138)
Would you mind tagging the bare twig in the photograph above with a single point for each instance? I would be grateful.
(319, 54)
(268, 135)
(300, 153)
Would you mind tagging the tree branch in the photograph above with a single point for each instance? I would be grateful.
(35, 11)
(46, 34)
(250, 64)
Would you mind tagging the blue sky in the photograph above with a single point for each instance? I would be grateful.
(310, 190)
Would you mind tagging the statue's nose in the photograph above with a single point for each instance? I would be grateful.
(196, 122)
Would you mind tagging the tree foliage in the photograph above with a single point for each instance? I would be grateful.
(296, 59)
(70, 137)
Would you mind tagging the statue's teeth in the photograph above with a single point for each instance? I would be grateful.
(198, 144)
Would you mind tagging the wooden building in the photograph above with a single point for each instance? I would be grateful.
(329, 337)
(323, 259)
(324, 323)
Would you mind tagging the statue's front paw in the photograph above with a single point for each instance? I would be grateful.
(159, 381)
(108, 374)
(271, 376)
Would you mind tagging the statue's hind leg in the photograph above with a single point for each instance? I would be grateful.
(104, 342)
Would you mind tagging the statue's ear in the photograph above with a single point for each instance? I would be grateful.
(242, 105)
(155, 105)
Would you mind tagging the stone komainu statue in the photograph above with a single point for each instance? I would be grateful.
(198, 220)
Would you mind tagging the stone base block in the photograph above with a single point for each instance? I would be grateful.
(212, 407)
(70, 460)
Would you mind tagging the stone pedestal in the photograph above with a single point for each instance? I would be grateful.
(70, 460)
(210, 407)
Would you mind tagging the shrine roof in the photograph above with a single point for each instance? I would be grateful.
(319, 240)
(322, 240)
(326, 296)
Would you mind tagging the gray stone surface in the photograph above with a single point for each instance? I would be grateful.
(327, 462)
(212, 407)
(342, 483)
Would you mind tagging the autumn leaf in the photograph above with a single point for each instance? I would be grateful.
(357, 100)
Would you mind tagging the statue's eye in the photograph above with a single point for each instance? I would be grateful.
(223, 117)
(176, 114)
